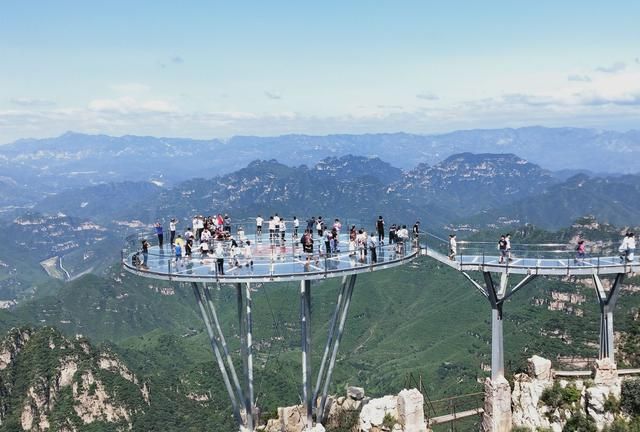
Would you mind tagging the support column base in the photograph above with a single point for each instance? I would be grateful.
(497, 406)
(606, 373)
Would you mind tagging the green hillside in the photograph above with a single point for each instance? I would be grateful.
(423, 319)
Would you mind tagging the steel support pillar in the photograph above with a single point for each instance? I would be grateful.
(497, 295)
(245, 328)
(333, 343)
(497, 415)
(236, 400)
(607, 302)
(305, 337)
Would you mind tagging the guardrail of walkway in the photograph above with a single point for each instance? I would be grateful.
(551, 254)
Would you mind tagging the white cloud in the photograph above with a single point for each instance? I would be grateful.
(128, 104)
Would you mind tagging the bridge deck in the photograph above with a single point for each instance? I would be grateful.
(539, 266)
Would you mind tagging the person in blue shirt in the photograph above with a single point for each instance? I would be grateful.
(159, 233)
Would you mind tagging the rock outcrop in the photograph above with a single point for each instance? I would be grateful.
(590, 400)
(527, 391)
(48, 382)
(401, 413)
(497, 406)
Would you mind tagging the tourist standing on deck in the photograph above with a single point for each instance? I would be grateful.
(453, 247)
(283, 229)
(580, 251)
(272, 228)
(259, 221)
(628, 247)
(380, 229)
(248, 255)
(145, 252)
(276, 221)
(219, 253)
(502, 247)
(172, 229)
(392, 233)
(416, 230)
(508, 239)
(361, 243)
(353, 234)
(327, 242)
(631, 246)
(296, 225)
(227, 223)
(307, 242)
(402, 236)
(337, 225)
(372, 248)
(159, 234)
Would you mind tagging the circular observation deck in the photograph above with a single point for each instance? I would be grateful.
(273, 260)
(531, 259)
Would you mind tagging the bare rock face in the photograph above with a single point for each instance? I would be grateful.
(373, 414)
(608, 385)
(12, 345)
(355, 393)
(606, 373)
(497, 406)
(59, 369)
(411, 411)
(526, 402)
(402, 413)
(540, 368)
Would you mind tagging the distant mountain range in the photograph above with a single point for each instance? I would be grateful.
(33, 168)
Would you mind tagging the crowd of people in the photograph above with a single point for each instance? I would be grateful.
(212, 239)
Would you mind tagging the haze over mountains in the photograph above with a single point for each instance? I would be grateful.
(73, 159)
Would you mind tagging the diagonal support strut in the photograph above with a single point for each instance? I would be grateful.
(607, 303)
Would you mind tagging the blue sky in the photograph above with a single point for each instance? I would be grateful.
(217, 69)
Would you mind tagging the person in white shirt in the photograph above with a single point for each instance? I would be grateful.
(276, 220)
(631, 246)
(259, 221)
(172, 229)
(402, 235)
(453, 247)
(241, 235)
(627, 247)
(296, 224)
(272, 228)
(219, 253)
(247, 254)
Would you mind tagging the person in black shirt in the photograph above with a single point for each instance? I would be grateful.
(380, 229)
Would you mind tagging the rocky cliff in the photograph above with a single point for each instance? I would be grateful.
(49, 382)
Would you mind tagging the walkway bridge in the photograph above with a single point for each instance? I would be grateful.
(275, 260)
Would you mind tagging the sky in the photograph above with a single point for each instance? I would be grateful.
(207, 69)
